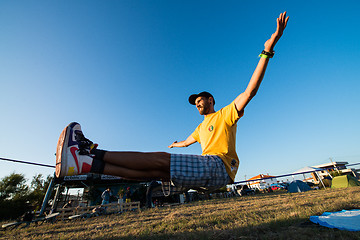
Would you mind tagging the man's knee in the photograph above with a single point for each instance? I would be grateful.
(162, 160)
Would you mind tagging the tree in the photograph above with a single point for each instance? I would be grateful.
(13, 187)
(38, 188)
(14, 196)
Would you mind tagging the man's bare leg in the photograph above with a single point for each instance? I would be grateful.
(76, 155)
(138, 165)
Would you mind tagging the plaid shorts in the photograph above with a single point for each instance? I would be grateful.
(196, 171)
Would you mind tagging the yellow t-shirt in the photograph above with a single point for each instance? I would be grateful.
(217, 136)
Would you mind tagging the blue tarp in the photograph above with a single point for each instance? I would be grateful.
(344, 220)
(298, 186)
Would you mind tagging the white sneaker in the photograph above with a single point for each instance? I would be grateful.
(72, 159)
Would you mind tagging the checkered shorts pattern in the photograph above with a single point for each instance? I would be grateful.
(196, 171)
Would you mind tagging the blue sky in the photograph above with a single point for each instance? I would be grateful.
(124, 70)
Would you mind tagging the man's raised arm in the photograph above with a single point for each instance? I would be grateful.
(244, 98)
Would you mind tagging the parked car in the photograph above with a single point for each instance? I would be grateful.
(244, 190)
(278, 186)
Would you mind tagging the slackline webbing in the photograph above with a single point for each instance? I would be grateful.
(31, 163)
(285, 175)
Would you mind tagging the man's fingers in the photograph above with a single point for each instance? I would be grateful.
(279, 28)
(286, 20)
(282, 21)
(171, 146)
(282, 17)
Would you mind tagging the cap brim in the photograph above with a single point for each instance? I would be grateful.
(192, 98)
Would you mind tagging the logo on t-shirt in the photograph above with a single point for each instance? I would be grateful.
(211, 128)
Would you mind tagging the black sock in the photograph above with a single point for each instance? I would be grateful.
(99, 154)
(97, 166)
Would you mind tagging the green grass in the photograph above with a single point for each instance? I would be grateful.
(264, 216)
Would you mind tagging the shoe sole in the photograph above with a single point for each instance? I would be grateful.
(61, 155)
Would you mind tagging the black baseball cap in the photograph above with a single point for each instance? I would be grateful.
(193, 97)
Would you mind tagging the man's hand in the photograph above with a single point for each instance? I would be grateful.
(172, 145)
(281, 25)
(190, 140)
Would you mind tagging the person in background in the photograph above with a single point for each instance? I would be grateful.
(128, 195)
(106, 196)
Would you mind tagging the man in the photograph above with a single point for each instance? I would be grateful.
(106, 196)
(128, 195)
(215, 168)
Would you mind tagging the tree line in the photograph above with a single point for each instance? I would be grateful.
(17, 197)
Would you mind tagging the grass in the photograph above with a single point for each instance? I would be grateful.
(277, 215)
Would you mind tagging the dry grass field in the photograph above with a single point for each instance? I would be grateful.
(277, 215)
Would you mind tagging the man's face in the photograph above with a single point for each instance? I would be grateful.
(203, 105)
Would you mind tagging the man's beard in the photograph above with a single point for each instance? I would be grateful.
(203, 110)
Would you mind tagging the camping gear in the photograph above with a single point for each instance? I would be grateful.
(344, 182)
(344, 220)
(298, 186)
(327, 181)
(313, 170)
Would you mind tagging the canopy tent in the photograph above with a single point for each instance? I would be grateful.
(344, 181)
(298, 186)
(309, 169)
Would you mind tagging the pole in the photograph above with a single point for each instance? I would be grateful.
(47, 196)
(320, 180)
(55, 202)
(335, 166)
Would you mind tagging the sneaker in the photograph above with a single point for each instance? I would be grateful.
(73, 152)
(85, 145)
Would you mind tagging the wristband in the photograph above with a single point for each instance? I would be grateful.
(269, 54)
(263, 56)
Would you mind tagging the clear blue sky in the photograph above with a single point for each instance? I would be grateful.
(124, 70)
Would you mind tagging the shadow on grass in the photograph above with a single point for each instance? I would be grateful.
(296, 229)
